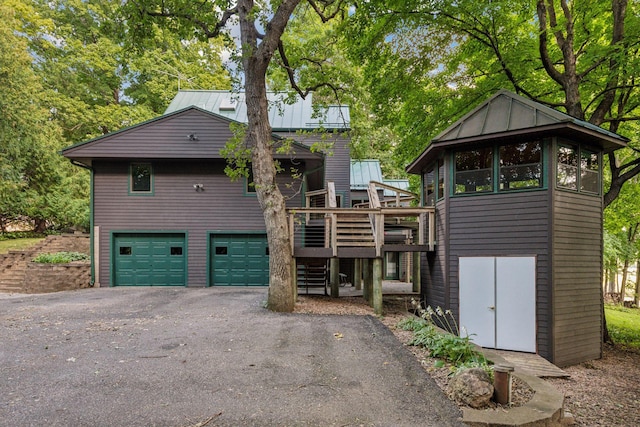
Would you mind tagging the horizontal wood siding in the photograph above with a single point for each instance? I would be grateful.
(164, 138)
(176, 206)
(577, 273)
(503, 225)
(337, 161)
(432, 271)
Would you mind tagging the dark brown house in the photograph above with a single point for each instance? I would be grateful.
(163, 211)
(517, 189)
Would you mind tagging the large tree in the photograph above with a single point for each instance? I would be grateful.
(261, 26)
(429, 61)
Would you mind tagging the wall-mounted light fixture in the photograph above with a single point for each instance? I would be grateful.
(193, 137)
(198, 187)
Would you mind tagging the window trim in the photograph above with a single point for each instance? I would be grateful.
(495, 177)
(133, 192)
(580, 149)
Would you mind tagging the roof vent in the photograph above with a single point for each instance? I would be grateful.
(227, 104)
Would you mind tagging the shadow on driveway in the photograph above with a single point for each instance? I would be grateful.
(178, 357)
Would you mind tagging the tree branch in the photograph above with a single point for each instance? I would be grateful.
(543, 45)
(321, 11)
(208, 32)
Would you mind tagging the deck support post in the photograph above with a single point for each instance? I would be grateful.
(367, 272)
(415, 277)
(377, 286)
(334, 277)
(357, 274)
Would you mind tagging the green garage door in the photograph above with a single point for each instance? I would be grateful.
(239, 260)
(144, 259)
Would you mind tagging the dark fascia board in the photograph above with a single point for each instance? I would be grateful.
(569, 129)
(68, 150)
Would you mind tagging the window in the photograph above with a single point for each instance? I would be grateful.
(433, 186)
(589, 172)
(176, 250)
(221, 250)
(474, 171)
(250, 187)
(125, 250)
(440, 193)
(430, 186)
(521, 166)
(141, 177)
(567, 176)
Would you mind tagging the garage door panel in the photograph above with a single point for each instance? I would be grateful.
(239, 260)
(154, 259)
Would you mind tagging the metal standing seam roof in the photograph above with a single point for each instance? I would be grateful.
(283, 115)
(402, 184)
(506, 113)
(364, 171)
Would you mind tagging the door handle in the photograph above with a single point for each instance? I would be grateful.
(493, 307)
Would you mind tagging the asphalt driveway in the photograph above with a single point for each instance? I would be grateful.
(179, 357)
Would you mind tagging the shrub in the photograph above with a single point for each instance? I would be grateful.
(61, 257)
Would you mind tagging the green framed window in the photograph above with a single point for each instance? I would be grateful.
(433, 183)
(567, 172)
(473, 171)
(589, 171)
(520, 166)
(141, 178)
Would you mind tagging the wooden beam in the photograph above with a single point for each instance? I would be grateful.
(334, 274)
(366, 275)
(357, 274)
(415, 277)
(377, 286)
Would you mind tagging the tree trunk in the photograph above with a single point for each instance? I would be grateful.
(625, 273)
(258, 138)
(636, 294)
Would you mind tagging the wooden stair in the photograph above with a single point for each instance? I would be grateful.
(312, 274)
(354, 231)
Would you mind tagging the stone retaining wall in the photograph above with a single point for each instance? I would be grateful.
(56, 277)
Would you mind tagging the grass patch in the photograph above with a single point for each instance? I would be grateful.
(17, 244)
(61, 257)
(624, 325)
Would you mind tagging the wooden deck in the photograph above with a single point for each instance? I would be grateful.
(527, 363)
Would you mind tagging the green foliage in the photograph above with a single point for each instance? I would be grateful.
(60, 257)
(412, 323)
(446, 345)
(14, 235)
(624, 325)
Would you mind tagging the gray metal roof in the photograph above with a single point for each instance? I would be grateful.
(402, 184)
(505, 116)
(505, 111)
(284, 115)
(364, 171)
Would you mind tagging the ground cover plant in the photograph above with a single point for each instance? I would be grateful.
(624, 325)
(438, 331)
(61, 257)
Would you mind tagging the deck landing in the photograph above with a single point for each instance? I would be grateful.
(526, 363)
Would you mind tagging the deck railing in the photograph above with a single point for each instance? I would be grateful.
(334, 228)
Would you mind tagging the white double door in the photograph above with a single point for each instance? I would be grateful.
(498, 301)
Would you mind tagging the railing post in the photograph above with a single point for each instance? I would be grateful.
(292, 235)
(421, 224)
(379, 233)
(334, 234)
